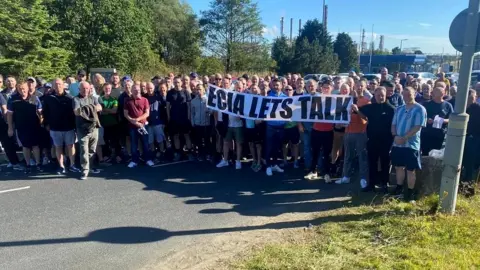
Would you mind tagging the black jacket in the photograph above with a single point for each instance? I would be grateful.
(58, 112)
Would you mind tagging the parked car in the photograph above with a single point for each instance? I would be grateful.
(423, 76)
(378, 76)
(318, 77)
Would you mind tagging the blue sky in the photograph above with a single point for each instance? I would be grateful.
(425, 23)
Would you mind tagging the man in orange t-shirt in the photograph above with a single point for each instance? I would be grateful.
(355, 140)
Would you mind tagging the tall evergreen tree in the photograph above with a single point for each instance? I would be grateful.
(283, 52)
(346, 51)
(314, 50)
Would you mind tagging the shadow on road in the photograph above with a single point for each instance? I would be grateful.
(139, 235)
(242, 191)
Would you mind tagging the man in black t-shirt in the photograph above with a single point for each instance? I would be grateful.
(380, 139)
(24, 116)
(432, 136)
(178, 112)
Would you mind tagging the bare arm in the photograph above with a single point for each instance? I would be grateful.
(412, 132)
(394, 130)
(125, 113)
(144, 116)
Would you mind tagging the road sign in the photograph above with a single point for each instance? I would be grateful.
(457, 32)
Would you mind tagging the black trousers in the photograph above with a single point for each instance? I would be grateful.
(322, 141)
(202, 139)
(9, 145)
(379, 148)
(111, 137)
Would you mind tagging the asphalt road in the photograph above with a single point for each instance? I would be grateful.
(125, 219)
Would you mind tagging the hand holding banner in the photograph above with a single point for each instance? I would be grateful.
(308, 108)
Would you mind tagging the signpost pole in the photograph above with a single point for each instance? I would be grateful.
(459, 119)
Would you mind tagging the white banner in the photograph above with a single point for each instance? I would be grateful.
(306, 108)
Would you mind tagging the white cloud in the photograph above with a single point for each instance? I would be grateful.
(270, 32)
(425, 25)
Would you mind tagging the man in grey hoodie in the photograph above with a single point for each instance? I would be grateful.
(201, 124)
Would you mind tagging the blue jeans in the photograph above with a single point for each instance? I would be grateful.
(471, 158)
(273, 140)
(307, 149)
(134, 137)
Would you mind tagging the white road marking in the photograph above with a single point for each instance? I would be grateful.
(171, 163)
(14, 189)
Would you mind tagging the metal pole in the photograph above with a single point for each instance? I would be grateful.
(371, 53)
(459, 119)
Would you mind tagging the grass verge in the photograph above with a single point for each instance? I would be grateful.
(393, 235)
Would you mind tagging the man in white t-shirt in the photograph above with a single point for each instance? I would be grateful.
(235, 133)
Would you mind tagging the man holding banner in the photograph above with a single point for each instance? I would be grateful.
(274, 134)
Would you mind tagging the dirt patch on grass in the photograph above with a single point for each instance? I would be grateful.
(217, 251)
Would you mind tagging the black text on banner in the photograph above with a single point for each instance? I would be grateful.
(306, 108)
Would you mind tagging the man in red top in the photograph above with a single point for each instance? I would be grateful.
(322, 139)
(136, 111)
(355, 140)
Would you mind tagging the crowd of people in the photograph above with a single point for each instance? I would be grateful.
(393, 123)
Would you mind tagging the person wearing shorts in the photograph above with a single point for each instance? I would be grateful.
(24, 116)
(234, 133)
(292, 137)
(155, 126)
(407, 124)
(59, 119)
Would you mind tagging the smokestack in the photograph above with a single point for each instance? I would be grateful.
(291, 29)
(325, 19)
(299, 26)
(281, 27)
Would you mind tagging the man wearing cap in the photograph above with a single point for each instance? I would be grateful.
(87, 129)
(45, 140)
(74, 88)
(24, 116)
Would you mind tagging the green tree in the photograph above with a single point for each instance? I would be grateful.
(106, 33)
(176, 32)
(28, 45)
(283, 52)
(229, 24)
(396, 50)
(346, 51)
(314, 50)
(211, 65)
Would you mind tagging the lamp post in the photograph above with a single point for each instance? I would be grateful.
(401, 43)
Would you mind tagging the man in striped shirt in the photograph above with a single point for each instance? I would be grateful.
(407, 124)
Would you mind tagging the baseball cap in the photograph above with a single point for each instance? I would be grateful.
(31, 79)
(157, 77)
(48, 85)
(194, 75)
(82, 72)
(126, 78)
